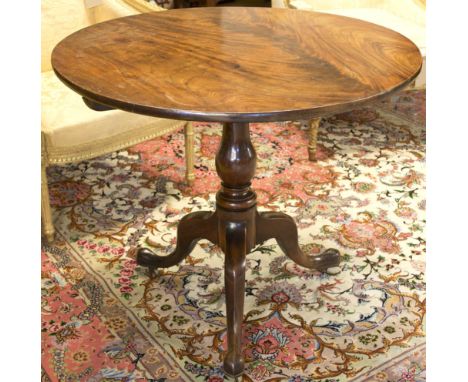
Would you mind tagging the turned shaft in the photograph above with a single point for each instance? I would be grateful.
(235, 164)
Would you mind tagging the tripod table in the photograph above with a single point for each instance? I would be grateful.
(235, 66)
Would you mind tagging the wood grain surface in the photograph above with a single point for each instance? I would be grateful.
(235, 64)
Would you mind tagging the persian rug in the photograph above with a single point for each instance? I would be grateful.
(104, 319)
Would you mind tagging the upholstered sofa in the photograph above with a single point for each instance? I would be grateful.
(404, 16)
(70, 130)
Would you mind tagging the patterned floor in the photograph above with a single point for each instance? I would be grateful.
(103, 319)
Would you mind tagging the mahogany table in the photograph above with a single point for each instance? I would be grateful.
(235, 66)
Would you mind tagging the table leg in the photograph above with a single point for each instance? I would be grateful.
(237, 227)
(235, 206)
(282, 227)
(193, 227)
(234, 281)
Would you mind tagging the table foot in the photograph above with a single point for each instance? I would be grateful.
(192, 228)
(279, 226)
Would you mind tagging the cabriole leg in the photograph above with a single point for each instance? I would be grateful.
(192, 228)
(282, 227)
(234, 281)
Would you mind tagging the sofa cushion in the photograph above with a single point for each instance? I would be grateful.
(67, 121)
(59, 18)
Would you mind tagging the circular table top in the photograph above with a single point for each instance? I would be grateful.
(235, 64)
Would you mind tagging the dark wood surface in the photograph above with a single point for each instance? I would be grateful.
(235, 64)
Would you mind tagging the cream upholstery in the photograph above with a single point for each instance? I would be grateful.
(59, 18)
(407, 17)
(68, 122)
(71, 131)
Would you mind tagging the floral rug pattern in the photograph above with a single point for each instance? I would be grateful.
(104, 319)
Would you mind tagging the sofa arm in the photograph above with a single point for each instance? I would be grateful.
(325, 5)
(143, 5)
(111, 9)
(280, 3)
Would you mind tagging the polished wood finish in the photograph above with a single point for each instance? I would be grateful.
(237, 227)
(234, 64)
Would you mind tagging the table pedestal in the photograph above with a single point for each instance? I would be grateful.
(237, 227)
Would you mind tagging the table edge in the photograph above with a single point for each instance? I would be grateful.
(267, 116)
